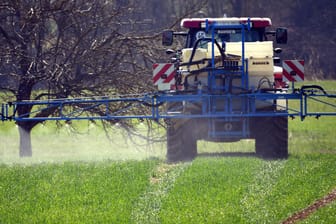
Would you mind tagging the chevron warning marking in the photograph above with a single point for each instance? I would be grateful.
(163, 73)
(293, 70)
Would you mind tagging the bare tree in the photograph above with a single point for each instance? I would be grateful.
(51, 49)
(69, 49)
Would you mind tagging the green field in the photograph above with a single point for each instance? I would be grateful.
(79, 176)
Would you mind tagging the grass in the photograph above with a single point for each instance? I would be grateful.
(72, 192)
(82, 141)
(325, 215)
(209, 192)
(147, 209)
(85, 178)
(314, 135)
(248, 190)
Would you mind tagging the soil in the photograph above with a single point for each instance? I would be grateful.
(304, 213)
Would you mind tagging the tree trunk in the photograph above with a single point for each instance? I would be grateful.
(25, 142)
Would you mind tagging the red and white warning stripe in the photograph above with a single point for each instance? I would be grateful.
(293, 70)
(163, 73)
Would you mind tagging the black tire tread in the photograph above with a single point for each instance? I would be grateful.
(181, 143)
(271, 134)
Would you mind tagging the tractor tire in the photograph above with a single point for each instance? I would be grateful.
(271, 137)
(181, 142)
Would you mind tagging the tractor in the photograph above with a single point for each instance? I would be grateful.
(234, 57)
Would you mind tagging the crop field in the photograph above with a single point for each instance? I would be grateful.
(77, 175)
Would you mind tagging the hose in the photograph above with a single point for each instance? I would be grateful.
(303, 88)
(195, 47)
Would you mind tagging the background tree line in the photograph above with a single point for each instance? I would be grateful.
(311, 25)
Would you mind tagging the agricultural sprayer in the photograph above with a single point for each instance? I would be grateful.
(224, 85)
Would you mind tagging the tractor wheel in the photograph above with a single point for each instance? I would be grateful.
(181, 142)
(271, 137)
